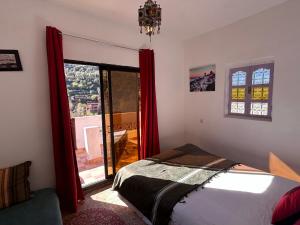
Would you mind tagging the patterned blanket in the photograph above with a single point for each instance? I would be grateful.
(156, 184)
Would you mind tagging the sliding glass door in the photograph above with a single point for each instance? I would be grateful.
(104, 109)
(84, 92)
(125, 113)
(109, 132)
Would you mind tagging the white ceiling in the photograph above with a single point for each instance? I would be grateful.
(185, 18)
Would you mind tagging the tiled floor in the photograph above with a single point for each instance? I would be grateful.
(84, 164)
(91, 176)
(128, 156)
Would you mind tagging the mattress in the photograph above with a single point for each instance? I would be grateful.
(232, 198)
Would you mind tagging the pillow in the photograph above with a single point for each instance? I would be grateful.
(14, 186)
(287, 210)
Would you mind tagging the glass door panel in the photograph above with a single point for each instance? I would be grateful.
(125, 93)
(108, 123)
(104, 107)
(84, 93)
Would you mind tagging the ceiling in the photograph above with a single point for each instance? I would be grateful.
(185, 18)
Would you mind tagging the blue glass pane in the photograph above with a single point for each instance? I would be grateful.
(239, 78)
(261, 76)
(258, 76)
(235, 80)
(266, 81)
(242, 79)
(256, 82)
(267, 76)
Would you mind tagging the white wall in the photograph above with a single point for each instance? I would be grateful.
(80, 123)
(25, 125)
(273, 33)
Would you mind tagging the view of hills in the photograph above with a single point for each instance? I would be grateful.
(83, 86)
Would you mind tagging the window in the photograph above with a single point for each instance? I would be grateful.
(250, 91)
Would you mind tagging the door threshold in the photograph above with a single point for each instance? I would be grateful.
(99, 185)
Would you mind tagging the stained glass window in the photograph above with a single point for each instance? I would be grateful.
(239, 78)
(259, 109)
(265, 95)
(238, 107)
(238, 93)
(260, 93)
(261, 76)
(251, 97)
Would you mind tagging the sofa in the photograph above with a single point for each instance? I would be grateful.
(41, 209)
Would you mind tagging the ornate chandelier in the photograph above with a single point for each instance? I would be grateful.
(150, 18)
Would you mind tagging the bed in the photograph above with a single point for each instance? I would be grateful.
(205, 190)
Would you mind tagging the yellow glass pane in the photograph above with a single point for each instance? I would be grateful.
(234, 93)
(265, 95)
(257, 93)
(241, 93)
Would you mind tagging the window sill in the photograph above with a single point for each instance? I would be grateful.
(237, 116)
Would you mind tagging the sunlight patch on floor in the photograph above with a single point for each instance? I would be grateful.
(110, 197)
(243, 182)
(91, 176)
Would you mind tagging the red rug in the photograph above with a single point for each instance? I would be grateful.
(103, 207)
(95, 216)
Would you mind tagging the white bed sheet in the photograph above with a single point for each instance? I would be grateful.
(232, 198)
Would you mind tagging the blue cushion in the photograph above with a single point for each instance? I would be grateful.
(41, 209)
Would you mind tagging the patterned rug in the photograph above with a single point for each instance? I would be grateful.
(103, 208)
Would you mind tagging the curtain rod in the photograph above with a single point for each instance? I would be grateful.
(111, 44)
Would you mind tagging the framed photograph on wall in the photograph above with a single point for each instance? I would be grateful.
(10, 60)
(203, 78)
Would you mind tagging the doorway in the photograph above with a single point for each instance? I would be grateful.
(105, 113)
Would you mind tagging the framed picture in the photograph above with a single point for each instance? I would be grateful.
(203, 78)
(10, 60)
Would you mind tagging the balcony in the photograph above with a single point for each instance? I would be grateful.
(88, 140)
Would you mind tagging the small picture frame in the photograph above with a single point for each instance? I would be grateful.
(10, 60)
(203, 78)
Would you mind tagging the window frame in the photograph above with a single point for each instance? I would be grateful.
(250, 69)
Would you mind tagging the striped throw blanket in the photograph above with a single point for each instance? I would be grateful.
(156, 184)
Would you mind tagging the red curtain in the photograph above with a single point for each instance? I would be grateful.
(67, 179)
(149, 124)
